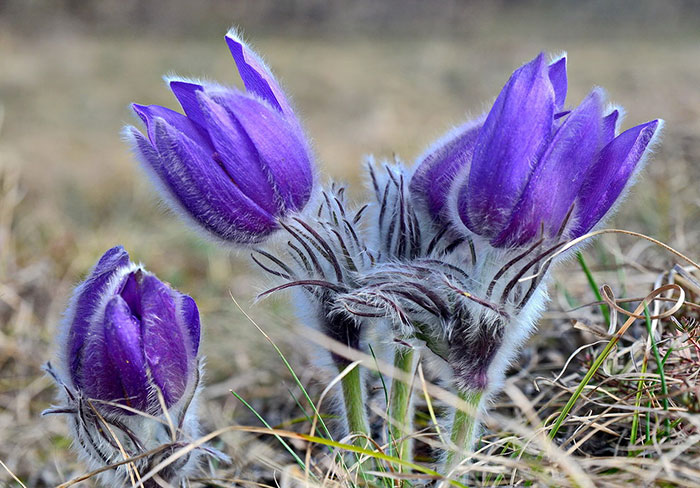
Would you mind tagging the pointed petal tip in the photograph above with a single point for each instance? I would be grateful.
(656, 124)
(651, 130)
(599, 92)
(654, 128)
(112, 259)
(142, 111)
(235, 35)
(558, 79)
(256, 75)
(183, 84)
(559, 60)
(595, 97)
(116, 253)
(539, 61)
(118, 249)
(129, 133)
(234, 41)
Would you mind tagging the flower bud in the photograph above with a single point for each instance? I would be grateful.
(529, 166)
(235, 162)
(127, 362)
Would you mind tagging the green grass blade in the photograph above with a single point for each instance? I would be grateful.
(379, 456)
(637, 404)
(594, 286)
(264, 422)
(289, 368)
(584, 382)
(660, 367)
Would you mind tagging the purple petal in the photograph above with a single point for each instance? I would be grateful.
(191, 180)
(514, 136)
(433, 178)
(96, 378)
(611, 172)
(130, 293)
(239, 156)
(557, 75)
(125, 352)
(188, 315)
(163, 340)
(558, 176)
(177, 121)
(88, 296)
(282, 153)
(256, 76)
(186, 94)
(609, 126)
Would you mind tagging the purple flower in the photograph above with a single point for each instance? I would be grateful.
(530, 164)
(127, 335)
(235, 162)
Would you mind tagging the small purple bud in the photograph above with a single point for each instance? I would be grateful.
(130, 335)
(127, 349)
(235, 162)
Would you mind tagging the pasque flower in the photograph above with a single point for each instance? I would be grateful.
(127, 354)
(505, 192)
(516, 184)
(235, 162)
(324, 257)
(529, 164)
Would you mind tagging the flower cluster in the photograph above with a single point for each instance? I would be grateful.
(451, 256)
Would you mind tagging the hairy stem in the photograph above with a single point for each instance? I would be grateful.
(354, 399)
(400, 426)
(464, 428)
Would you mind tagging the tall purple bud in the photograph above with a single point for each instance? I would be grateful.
(127, 362)
(235, 162)
(530, 165)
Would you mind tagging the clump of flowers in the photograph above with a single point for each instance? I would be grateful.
(451, 256)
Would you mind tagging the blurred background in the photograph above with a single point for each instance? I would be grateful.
(381, 77)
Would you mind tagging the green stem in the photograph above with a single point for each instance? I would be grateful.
(400, 407)
(463, 429)
(355, 405)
